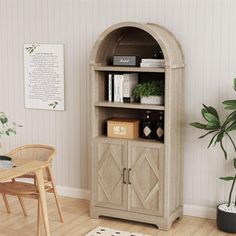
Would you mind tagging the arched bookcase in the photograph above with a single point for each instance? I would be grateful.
(137, 179)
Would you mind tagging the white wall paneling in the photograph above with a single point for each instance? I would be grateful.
(206, 30)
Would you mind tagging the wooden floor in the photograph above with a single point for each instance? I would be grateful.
(78, 223)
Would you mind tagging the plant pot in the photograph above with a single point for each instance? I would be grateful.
(155, 100)
(226, 218)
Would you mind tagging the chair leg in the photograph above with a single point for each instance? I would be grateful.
(22, 205)
(58, 205)
(38, 218)
(55, 194)
(6, 203)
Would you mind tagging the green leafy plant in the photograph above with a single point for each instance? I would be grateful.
(5, 128)
(219, 130)
(150, 88)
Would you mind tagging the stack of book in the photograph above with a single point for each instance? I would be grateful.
(120, 87)
(151, 62)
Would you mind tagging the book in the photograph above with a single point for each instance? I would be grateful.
(120, 87)
(130, 80)
(152, 64)
(153, 60)
(121, 79)
(110, 88)
(118, 81)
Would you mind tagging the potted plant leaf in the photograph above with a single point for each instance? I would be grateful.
(150, 92)
(220, 129)
(5, 127)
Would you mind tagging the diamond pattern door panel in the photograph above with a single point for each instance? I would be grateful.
(146, 178)
(111, 159)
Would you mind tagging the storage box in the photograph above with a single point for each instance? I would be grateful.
(123, 128)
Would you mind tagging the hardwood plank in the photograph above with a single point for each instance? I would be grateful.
(78, 222)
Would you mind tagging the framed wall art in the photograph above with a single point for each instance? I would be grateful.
(44, 76)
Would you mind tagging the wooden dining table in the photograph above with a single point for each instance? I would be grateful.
(22, 167)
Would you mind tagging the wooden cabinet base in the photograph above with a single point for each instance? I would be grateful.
(161, 222)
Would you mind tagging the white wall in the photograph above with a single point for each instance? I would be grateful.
(206, 29)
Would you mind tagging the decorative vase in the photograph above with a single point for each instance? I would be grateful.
(226, 218)
(155, 100)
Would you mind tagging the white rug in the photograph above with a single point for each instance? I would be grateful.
(102, 231)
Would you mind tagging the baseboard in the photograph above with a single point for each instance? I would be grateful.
(73, 192)
(190, 210)
(198, 211)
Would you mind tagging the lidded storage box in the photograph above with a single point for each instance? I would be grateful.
(123, 128)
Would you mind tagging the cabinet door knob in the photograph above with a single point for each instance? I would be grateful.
(124, 171)
(129, 170)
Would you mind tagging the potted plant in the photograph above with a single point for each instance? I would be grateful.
(151, 92)
(220, 130)
(5, 128)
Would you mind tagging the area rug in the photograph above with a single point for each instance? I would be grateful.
(102, 231)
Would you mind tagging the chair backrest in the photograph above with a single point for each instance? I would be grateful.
(38, 152)
(34, 151)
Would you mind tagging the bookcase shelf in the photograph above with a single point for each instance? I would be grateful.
(129, 105)
(151, 141)
(136, 179)
(129, 69)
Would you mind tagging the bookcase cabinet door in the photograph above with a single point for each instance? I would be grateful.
(110, 172)
(146, 178)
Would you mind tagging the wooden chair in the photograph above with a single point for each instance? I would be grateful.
(23, 189)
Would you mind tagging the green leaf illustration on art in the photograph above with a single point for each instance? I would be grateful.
(32, 48)
(53, 104)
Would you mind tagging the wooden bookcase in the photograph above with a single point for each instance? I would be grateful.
(139, 179)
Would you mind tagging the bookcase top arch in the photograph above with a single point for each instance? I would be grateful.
(139, 39)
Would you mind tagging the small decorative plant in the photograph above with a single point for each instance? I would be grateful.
(220, 130)
(150, 88)
(5, 127)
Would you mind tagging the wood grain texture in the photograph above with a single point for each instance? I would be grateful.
(36, 167)
(155, 192)
(146, 178)
(207, 32)
(110, 159)
(78, 222)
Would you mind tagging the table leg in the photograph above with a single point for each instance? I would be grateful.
(42, 199)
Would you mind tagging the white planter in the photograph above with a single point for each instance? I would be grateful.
(155, 100)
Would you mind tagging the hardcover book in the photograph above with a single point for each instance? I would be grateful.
(129, 83)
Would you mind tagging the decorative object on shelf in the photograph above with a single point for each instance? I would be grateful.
(123, 128)
(126, 61)
(155, 100)
(151, 92)
(159, 127)
(147, 126)
(158, 54)
(226, 212)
